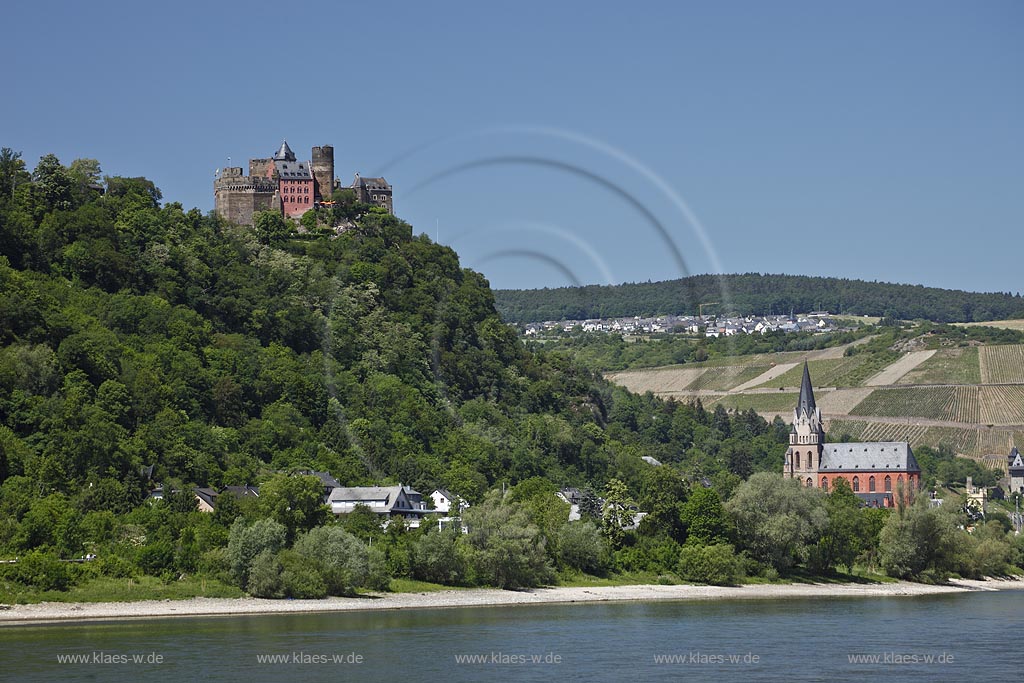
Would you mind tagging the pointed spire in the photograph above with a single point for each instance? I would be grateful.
(285, 153)
(806, 404)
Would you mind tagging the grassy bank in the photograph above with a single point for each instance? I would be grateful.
(106, 589)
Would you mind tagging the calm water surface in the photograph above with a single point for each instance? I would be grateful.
(969, 637)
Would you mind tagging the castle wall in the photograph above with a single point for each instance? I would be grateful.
(261, 167)
(237, 198)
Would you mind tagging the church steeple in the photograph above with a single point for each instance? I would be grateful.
(806, 406)
(807, 428)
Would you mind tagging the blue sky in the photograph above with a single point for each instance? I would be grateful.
(553, 143)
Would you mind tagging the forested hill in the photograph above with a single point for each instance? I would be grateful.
(141, 342)
(756, 294)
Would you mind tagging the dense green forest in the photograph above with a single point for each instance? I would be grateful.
(142, 343)
(756, 294)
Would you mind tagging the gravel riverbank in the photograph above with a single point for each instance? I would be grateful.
(62, 612)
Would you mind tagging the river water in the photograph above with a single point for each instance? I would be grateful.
(960, 637)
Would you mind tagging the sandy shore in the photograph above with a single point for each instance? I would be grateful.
(57, 612)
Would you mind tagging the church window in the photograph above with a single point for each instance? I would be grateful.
(810, 460)
(824, 483)
(871, 484)
(810, 482)
(856, 484)
(888, 483)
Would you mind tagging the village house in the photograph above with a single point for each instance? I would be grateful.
(390, 502)
(1015, 467)
(445, 501)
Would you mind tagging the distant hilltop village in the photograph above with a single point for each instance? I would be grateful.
(291, 187)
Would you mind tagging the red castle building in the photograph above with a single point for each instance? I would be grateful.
(883, 474)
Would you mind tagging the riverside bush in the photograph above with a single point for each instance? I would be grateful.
(715, 564)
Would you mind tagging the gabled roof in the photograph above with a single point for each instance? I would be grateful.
(1015, 459)
(208, 496)
(325, 478)
(392, 498)
(806, 404)
(879, 456)
(242, 491)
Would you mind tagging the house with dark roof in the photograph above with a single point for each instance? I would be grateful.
(883, 474)
(206, 499)
(328, 482)
(1015, 466)
(387, 501)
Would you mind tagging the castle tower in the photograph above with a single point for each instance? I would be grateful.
(323, 172)
(807, 437)
(285, 153)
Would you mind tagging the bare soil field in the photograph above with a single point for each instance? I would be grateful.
(842, 401)
(1002, 324)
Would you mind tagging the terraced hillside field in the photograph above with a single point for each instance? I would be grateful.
(1002, 405)
(1001, 364)
(964, 440)
(781, 403)
(725, 378)
(954, 404)
(970, 398)
(662, 381)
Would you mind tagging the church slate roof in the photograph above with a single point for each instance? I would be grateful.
(879, 456)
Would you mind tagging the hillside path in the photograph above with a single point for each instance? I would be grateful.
(892, 373)
(769, 375)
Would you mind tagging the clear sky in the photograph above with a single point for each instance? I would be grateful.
(557, 142)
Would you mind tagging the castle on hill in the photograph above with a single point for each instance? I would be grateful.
(882, 474)
(291, 187)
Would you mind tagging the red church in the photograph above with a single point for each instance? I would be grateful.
(883, 474)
